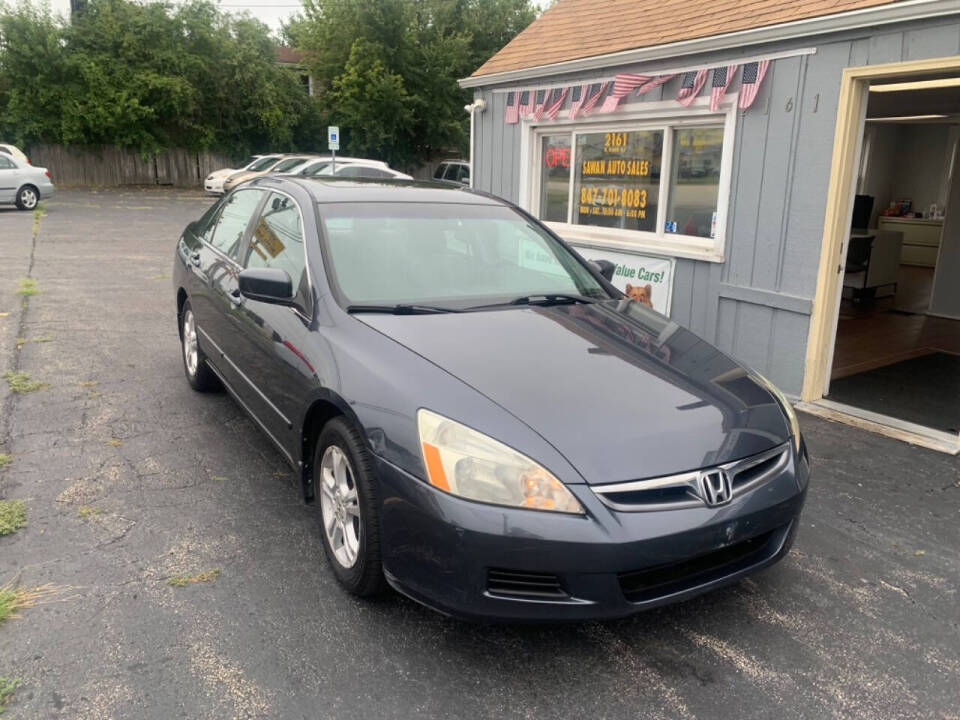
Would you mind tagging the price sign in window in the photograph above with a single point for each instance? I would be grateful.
(617, 179)
(555, 177)
(695, 184)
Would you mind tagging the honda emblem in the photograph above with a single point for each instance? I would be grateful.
(715, 487)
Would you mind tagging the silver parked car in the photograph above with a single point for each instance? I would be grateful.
(23, 184)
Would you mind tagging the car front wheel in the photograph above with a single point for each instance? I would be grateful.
(346, 491)
(27, 197)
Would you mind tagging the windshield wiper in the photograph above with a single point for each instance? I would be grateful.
(401, 309)
(541, 300)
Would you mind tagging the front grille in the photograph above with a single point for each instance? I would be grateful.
(670, 578)
(674, 492)
(516, 584)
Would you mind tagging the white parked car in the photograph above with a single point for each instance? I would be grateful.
(214, 181)
(356, 170)
(321, 163)
(14, 152)
(23, 184)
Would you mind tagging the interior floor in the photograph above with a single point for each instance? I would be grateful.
(891, 329)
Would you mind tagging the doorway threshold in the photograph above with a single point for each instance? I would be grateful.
(883, 425)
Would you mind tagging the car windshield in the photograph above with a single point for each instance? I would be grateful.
(262, 164)
(453, 255)
(315, 168)
(288, 164)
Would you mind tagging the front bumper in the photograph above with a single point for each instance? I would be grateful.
(213, 186)
(439, 549)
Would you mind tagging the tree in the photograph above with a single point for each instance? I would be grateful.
(370, 58)
(148, 77)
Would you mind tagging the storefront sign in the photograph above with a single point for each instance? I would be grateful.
(645, 278)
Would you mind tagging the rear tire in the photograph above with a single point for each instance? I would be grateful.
(28, 197)
(199, 374)
(347, 502)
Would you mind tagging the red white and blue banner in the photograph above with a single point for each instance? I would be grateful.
(546, 103)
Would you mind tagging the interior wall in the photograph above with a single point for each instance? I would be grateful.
(883, 139)
(945, 300)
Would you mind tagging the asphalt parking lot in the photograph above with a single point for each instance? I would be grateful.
(131, 479)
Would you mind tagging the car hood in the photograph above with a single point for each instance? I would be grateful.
(225, 173)
(621, 391)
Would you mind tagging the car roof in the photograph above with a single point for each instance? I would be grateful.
(328, 189)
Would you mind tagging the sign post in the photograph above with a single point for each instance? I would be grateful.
(333, 144)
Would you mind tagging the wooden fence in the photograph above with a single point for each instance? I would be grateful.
(111, 166)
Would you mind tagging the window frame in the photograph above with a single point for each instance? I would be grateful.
(658, 115)
(309, 306)
(215, 223)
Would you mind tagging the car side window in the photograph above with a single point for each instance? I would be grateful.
(277, 242)
(438, 173)
(351, 171)
(227, 233)
(6, 164)
(464, 174)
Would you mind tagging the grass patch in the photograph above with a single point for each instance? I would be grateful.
(218, 478)
(38, 213)
(114, 442)
(21, 383)
(159, 276)
(5, 459)
(23, 341)
(88, 383)
(13, 600)
(13, 516)
(85, 511)
(205, 576)
(27, 286)
(7, 687)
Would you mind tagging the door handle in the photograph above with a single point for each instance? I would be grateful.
(195, 259)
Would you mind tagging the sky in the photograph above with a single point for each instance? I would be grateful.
(272, 12)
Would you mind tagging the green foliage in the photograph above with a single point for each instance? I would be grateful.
(20, 382)
(147, 76)
(13, 516)
(7, 688)
(387, 70)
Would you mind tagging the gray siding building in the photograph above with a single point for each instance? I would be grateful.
(731, 195)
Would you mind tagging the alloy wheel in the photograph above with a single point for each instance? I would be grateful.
(190, 351)
(28, 198)
(340, 506)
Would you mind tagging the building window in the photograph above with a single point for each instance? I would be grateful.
(658, 185)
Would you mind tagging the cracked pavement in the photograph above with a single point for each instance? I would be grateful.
(130, 478)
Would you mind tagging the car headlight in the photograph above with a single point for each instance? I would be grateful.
(467, 463)
(785, 404)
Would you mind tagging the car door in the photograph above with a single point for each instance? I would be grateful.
(268, 338)
(8, 179)
(215, 295)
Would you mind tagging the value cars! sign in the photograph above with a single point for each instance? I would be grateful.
(645, 278)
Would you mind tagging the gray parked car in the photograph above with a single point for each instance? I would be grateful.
(23, 184)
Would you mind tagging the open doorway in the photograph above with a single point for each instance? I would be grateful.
(896, 351)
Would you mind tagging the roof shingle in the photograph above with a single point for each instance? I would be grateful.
(574, 29)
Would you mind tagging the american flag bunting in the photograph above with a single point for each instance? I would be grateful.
(750, 84)
(525, 104)
(622, 85)
(593, 97)
(690, 87)
(511, 115)
(718, 87)
(577, 97)
(556, 102)
(538, 105)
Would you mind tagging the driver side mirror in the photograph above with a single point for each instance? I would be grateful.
(269, 285)
(605, 268)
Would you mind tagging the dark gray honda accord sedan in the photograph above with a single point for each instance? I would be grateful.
(481, 419)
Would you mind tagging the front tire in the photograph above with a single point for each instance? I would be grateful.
(27, 197)
(199, 374)
(347, 503)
